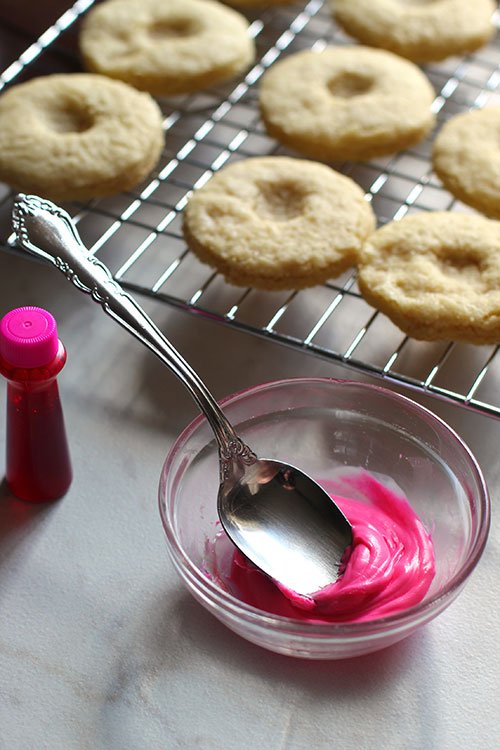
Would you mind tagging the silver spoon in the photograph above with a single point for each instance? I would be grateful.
(279, 517)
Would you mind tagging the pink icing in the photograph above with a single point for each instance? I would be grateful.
(389, 567)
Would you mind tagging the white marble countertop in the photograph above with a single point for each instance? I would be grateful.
(100, 645)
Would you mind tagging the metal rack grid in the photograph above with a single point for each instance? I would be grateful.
(138, 234)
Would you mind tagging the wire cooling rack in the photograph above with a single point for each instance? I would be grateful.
(138, 234)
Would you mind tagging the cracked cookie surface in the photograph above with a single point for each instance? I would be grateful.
(466, 157)
(420, 30)
(167, 48)
(77, 136)
(346, 103)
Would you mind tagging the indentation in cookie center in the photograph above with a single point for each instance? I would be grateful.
(173, 28)
(69, 118)
(279, 201)
(349, 84)
(463, 265)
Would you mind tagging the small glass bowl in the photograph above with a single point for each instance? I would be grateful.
(324, 426)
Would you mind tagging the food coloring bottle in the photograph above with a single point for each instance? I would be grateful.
(38, 466)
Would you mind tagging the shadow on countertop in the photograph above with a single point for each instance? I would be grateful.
(18, 520)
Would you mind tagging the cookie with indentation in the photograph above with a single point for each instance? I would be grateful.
(346, 103)
(436, 276)
(77, 136)
(466, 157)
(278, 222)
(420, 30)
(169, 47)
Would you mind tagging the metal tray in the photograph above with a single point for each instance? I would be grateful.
(138, 234)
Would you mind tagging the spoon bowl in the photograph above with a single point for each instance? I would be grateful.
(284, 522)
(279, 518)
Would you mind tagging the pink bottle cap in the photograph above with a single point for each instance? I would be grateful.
(28, 337)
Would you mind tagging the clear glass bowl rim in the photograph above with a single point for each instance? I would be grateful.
(421, 612)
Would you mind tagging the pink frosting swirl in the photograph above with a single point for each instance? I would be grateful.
(389, 566)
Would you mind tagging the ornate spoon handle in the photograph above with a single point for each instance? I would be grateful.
(47, 231)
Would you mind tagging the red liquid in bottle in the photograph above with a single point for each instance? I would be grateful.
(38, 464)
